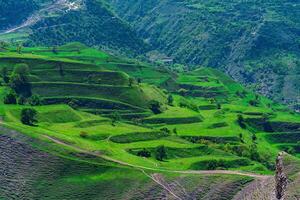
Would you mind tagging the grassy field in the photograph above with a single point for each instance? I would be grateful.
(211, 122)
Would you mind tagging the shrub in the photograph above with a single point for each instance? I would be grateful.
(182, 92)
(4, 74)
(144, 153)
(19, 80)
(185, 104)
(139, 80)
(170, 100)
(213, 164)
(155, 107)
(83, 134)
(175, 131)
(165, 130)
(10, 98)
(21, 100)
(241, 138)
(115, 117)
(28, 116)
(254, 137)
(161, 153)
(131, 81)
(241, 121)
(35, 100)
(254, 102)
(73, 103)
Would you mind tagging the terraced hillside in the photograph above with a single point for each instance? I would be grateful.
(255, 42)
(122, 121)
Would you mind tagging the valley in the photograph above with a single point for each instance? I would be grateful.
(156, 99)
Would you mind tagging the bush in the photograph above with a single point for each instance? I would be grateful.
(155, 107)
(144, 153)
(10, 98)
(4, 74)
(115, 117)
(254, 102)
(161, 153)
(21, 100)
(170, 100)
(19, 80)
(73, 103)
(83, 134)
(241, 121)
(35, 100)
(182, 92)
(28, 116)
(131, 81)
(185, 104)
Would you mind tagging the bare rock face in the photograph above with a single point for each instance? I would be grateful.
(280, 178)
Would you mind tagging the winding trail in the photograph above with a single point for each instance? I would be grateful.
(59, 6)
(225, 172)
(259, 179)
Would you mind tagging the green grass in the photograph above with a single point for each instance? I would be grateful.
(192, 129)
(137, 136)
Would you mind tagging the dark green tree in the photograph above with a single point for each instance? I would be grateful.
(175, 131)
(161, 153)
(241, 121)
(22, 100)
(131, 81)
(144, 153)
(115, 118)
(254, 155)
(73, 103)
(241, 137)
(10, 98)
(254, 138)
(19, 48)
(139, 80)
(170, 100)
(19, 80)
(4, 74)
(155, 107)
(35, 100)
(28, 116)
(61, 70)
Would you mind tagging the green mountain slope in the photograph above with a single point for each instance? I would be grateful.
(15, 12)
(57, 22)
(105, 120)
(257, 43)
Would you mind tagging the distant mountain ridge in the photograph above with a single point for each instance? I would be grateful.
(15, 12)
(255, 42)
(62, 21)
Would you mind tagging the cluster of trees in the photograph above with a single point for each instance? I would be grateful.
(160, 153)
(20, 86)
(20, 92)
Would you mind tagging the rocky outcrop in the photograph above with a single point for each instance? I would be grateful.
(280, 178)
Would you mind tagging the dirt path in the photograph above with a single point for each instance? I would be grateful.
(59, 6)
(226, 172)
